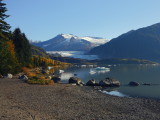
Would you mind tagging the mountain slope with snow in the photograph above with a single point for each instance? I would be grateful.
(68, 42)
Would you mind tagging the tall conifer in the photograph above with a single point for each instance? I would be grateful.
(8, 60)
(4, 26)
(22, 47)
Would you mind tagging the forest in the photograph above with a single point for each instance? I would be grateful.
(15, 49)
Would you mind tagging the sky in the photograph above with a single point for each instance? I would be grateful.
(42, 20)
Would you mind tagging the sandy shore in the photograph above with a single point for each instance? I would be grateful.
(20, 101)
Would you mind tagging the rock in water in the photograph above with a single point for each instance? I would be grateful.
(133, 83)
(56, 79)
(75, 80)
(92, 83)
(109, 82)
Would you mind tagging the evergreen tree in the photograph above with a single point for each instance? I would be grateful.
(27, 49)
(8, 60)
(4, 26)
(22, 47)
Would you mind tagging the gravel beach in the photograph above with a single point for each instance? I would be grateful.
(21, 101)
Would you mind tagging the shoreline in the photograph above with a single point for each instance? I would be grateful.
(20, 100)
(130, 96)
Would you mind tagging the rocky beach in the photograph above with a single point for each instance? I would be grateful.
(21, 101)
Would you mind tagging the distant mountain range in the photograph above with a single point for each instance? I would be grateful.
(68, 42)
(143, 43)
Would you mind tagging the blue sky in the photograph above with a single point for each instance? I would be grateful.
(44, 19)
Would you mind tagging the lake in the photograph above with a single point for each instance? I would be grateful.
(125, 74)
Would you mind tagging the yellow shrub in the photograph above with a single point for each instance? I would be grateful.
(42, 78)
(25, 70)
(31, 74)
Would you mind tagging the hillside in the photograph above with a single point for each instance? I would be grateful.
(143, 43)
(67, 42)
(38, 51)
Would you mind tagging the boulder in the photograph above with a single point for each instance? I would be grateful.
(45, 71)
(1, 76)
(133, 83)
(75, 80)
(56, 79)
(48, 77)
(109, 82)
(9, 76)
(92, 83)
(23, 77)
(81, 84)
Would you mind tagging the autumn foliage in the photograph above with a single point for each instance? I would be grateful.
(8, 59)
(39, 61)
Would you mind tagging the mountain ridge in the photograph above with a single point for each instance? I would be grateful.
(68, 42)
(143, 43)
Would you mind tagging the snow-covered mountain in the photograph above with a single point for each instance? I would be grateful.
(68, 42)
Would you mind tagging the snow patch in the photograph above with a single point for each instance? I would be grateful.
(67, 36)
(95, 40)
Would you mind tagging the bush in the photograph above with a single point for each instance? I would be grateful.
(36, 80)
(31, 74)
(25, 70)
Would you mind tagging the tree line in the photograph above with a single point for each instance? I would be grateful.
(15, 49)
(40, 61)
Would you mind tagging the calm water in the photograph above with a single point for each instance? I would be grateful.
(125, 74)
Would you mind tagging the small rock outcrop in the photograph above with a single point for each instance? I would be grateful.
(23, 77)
(133, 83)
(109, 82)
(92, 83)
(9, 76)
(76, 80)
(56, 79)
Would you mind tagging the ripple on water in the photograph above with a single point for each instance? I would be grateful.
(115, 93)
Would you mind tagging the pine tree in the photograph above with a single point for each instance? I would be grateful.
(22, 47)
(4, 26)
(27, 49)
(8, 60)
